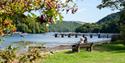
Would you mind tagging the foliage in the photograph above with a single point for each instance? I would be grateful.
(64, 26)
(8, 55)
(105, 25)
(33, 55)
(89, 28)
(114, 17)
(110, 23)
(116, 4)
(6, 26)
(111, 27)
(30, 24)
(12, 10)
(118, 42)
(123, 32)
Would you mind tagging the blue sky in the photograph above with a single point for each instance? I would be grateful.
(88, 12)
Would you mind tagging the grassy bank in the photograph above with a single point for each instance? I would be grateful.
(107, 53)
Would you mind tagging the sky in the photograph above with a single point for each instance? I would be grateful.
(88, 12)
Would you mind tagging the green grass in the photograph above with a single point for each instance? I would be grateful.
(107, 53)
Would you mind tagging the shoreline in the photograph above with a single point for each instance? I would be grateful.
(51, 48)
(69, 47)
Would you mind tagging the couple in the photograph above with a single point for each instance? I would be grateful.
(83, 40)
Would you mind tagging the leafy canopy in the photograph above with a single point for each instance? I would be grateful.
(50, 11)
(114, 4)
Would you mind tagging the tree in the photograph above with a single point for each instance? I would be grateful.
(89, 28)
(113, 4)
(116, 4)
(10, 10)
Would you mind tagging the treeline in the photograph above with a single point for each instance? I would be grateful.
(109, 24)
(64, 26)
(32, 24)
(29, 24)
(89, 28)
(98, 28)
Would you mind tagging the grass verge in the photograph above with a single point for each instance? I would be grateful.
(106, 53)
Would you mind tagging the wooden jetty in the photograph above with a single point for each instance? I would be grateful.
(100, 35)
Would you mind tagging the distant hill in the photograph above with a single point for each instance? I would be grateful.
(110, 18)
(110, 23)
(79, 22)
(65, 26)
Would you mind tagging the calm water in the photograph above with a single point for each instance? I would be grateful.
(48, 39)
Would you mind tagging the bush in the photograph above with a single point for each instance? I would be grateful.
(33, 55)
(115, 37)
(118, 42)
(9, 55)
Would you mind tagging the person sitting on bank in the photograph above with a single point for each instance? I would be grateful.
(83, 40)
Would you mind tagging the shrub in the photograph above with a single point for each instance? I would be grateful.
(8, 55)
(33, 55)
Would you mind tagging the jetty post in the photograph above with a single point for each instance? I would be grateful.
(69, 35)
(56, 35)
(99, 36)
(91, 36)
(76, 36)
(62, 35)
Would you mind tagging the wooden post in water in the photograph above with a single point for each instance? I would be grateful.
(91, 35)
(76, 35)
(62, 35)
(69, 35)
(99, 36)
(107, 36)
(56, 35)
